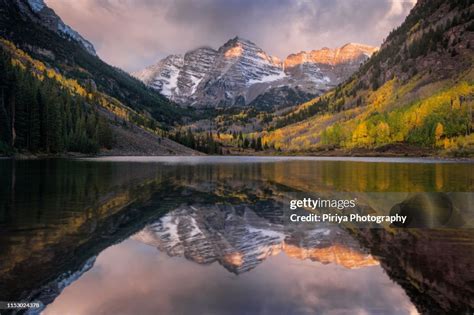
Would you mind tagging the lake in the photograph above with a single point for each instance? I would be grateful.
(212, 235)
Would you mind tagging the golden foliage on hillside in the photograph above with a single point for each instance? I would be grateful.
(429, 116)
(21, 59)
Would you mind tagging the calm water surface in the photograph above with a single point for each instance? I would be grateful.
(209, 235)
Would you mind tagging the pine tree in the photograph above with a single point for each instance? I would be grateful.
(246, 143)
(253, 144)
(34, 122)
(105, 135)
(41, 115)
(259, 146)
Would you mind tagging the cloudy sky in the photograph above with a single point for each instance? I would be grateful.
(132, 34)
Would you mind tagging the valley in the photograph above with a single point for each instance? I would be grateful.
(413, 96)
(236, 157)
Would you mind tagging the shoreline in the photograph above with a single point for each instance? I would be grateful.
(326, 157)
(398, 150)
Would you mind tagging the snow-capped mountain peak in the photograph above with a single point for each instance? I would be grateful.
(168, 71)
(238, 72)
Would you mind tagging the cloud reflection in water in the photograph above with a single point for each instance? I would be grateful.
(134, 278)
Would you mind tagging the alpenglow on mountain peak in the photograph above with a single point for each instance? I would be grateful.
(239, 73)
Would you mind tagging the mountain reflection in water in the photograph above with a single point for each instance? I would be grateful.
(239, 239)
(212, 236)
(133, 278)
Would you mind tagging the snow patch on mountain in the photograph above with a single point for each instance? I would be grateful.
(269, 78)
(171, 85)
(48, 18)
(239, 71)
(164, 75)
(68, 31)
(36, 5)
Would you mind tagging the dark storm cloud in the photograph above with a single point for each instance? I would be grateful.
(133, 33)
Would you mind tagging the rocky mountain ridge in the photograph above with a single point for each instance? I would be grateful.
(40, 13)
(239, 239)
(239, 72)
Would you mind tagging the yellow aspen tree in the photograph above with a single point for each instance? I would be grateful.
(439, 130)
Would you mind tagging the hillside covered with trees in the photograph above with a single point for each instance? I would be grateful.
(38, 115)
(57, 97)
(74, 62)
(418, 90)
(44, 112)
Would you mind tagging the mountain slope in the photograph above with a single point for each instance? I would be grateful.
(241, 74)
(416, 91)
(336, 65)
(41, 111)
(38, 12)
(40, 35)
(57, 96)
